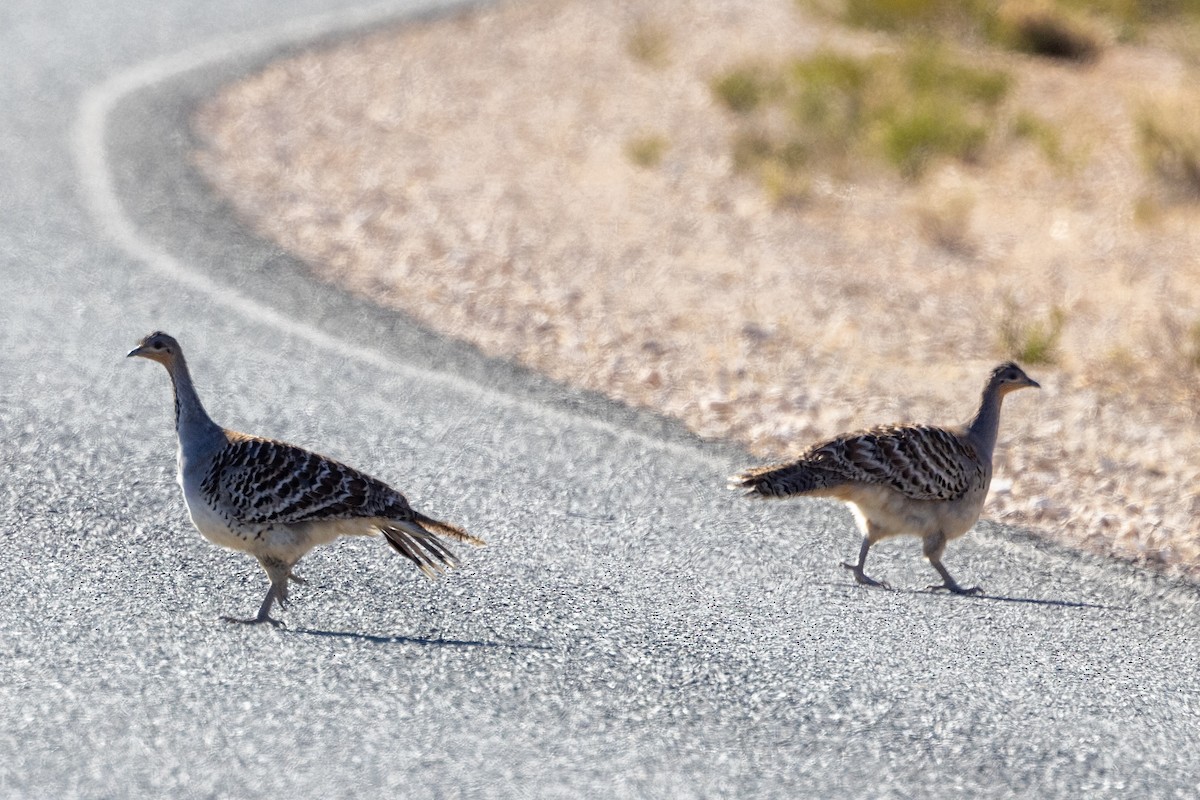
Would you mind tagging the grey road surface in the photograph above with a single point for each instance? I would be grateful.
(630, 631)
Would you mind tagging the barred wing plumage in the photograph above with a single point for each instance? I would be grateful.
(919, 461)
(262, 481)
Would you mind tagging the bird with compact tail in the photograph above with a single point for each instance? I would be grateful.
(902, 480)
(277, 501)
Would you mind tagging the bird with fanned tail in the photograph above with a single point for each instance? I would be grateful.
(277, 501)
(914, 480)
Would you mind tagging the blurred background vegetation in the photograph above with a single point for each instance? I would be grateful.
(929, 98)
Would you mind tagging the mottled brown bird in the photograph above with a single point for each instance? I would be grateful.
(277, 501)
(914, 480)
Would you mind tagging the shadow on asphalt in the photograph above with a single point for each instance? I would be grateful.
(1039, 602)
(376, 639)
(1033, 601)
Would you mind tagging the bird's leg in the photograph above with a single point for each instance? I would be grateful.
(279, 573)
(934, 546)
(264, 613)
(949, 584)
(857, 569)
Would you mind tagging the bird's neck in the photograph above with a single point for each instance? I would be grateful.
(192, 423)
(983, 428)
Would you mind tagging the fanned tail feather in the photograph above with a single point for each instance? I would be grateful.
(413, 539)
(781, 480)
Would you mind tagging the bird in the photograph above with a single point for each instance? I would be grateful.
(913, 480)
(277, 501)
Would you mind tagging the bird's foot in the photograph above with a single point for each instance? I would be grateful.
(864, 578)
(278, 623)
(953, 588)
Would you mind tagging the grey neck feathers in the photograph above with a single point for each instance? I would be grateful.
(982, 429)
(192, 423)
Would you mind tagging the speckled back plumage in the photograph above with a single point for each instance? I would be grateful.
(262, 481)
(919, 461)
(256, 483)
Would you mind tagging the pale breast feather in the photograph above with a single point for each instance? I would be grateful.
(261, 481)
(921, 462)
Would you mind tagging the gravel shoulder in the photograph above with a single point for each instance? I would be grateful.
(474, 173)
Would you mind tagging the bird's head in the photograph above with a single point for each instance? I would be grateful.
(1008, 377)
(158, 346)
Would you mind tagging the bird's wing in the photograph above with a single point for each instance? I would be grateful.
(261, 481)
(919, 461)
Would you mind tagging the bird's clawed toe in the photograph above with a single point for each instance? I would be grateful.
(863, 578)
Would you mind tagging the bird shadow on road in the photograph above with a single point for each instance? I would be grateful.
(1033, 601)
(416, 640)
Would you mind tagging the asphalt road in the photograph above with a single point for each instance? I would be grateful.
(631, 630)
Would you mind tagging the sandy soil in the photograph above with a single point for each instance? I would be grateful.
(474, 173)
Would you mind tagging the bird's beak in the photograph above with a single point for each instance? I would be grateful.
(137, 351)
(1032, 383)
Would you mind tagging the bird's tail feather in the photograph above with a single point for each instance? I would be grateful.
(780, 480)
(413, 539)
(446, 529)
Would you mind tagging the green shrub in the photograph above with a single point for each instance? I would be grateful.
(826, 100)
(905, 110)
(930, 71)
(785, 186)
(914, 136)
(751, 148)
(1135, 13)
(646, 151)
(1028, 125)
(910, 15)
(1031, 342)
(741, 89)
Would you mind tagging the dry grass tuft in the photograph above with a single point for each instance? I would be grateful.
(646, 151)
(1030, 126)
(649, 42)
(742, 89)
(913, 16)
(1169, 140)
(1191, 347)
(943, 214)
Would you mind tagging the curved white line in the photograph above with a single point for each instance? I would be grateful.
(88, 144)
